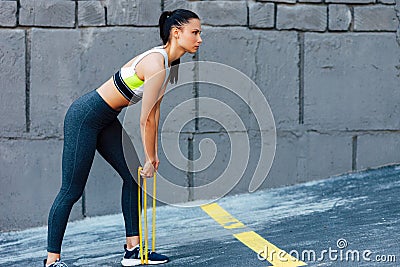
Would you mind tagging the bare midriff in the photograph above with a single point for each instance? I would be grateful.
(112, 96)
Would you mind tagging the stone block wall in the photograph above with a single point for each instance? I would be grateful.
(330, 71)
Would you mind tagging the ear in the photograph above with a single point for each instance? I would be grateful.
(175, 32)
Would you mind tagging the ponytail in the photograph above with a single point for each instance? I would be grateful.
(169, 19)
(164, 26)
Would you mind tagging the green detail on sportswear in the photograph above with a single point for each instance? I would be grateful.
(133, 82)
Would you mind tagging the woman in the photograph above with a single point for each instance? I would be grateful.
(91, 123)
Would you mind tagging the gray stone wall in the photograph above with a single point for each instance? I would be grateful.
(329, 69)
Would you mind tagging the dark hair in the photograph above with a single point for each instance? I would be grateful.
(169, 19)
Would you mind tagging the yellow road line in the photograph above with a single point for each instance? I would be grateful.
(263, 248)
(222, 216)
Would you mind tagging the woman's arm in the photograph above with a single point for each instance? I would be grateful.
(158, 119)
(154, 75)
(157, 114)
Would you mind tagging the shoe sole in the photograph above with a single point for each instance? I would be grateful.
(136, 262)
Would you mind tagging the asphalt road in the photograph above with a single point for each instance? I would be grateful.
(348, 220)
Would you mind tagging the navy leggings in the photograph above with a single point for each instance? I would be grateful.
(90, 124)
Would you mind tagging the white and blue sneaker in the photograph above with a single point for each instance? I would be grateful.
(132, 258)
(57, 263)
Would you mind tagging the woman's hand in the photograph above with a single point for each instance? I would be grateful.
(156, 163)
(148, 170)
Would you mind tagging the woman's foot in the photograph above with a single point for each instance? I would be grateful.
(132, 258)
(57, 263)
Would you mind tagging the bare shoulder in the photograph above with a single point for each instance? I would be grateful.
(151, 63)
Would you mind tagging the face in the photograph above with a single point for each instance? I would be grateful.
(188, 36)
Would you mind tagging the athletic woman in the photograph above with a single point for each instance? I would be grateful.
(91, 123)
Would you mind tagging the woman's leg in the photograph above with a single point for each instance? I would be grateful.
(115, 146)
(78, 153)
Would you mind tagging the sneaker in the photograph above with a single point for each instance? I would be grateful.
(58, 263)
(132, 258)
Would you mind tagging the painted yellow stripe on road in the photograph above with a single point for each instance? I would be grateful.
(263, 248)
(222, 216)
